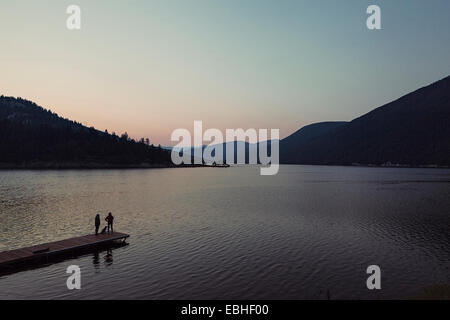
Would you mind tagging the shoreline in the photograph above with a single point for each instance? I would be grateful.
(427, 166)
(96, 166)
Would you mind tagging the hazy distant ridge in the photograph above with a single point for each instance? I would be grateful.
(412, 131)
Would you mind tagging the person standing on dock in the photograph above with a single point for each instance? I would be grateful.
(97, 223)
(110, 219)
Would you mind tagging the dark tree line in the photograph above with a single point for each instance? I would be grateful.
(31, 134)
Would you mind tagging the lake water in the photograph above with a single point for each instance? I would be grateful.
(229, 233)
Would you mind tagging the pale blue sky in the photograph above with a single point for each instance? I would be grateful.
(149, 67)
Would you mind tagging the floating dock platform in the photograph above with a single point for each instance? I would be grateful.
(43, 252)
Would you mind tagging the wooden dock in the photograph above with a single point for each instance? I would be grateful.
(43, 252)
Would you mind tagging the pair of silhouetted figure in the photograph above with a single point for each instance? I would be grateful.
(109, 219)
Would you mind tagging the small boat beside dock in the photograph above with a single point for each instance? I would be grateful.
(43, 252)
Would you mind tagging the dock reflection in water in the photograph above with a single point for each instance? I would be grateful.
(106, 249)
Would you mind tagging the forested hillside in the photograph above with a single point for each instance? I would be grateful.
(31, 136)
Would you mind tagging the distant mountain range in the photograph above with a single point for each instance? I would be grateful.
(411, 131)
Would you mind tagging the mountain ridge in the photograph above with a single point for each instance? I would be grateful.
(384, 135)
(34, 137)
(413, 130)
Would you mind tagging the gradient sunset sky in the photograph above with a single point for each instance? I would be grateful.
(149, 67)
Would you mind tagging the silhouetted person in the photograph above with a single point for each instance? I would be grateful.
(97, 223)
(110, 219)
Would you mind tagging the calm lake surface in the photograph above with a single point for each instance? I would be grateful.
(204, 233)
